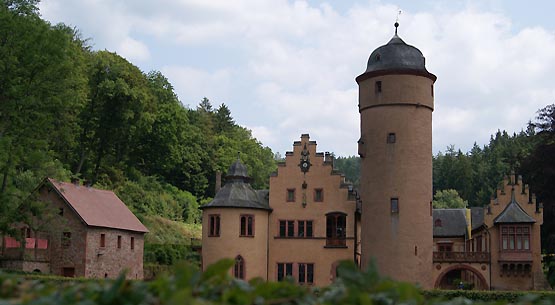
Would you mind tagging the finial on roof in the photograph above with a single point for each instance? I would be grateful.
(397, 22)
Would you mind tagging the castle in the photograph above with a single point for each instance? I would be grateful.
(311, 218)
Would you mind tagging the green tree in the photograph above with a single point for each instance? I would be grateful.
(448, 199)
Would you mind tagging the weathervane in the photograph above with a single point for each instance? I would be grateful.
(397, 21)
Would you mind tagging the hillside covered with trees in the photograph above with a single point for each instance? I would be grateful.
(70, 112)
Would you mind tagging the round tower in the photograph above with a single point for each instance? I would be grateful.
(235, 225)
(396, 100)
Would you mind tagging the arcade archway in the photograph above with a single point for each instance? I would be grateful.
(453, 276)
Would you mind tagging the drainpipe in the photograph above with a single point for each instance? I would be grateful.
(268, 248)
(489, 251)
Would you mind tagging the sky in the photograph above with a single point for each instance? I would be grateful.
(285, 68)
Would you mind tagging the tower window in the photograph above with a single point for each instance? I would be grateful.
(247, 225)
(432, 89)
(378, 87)
(214, 225)
(391, 138)
(395, 205)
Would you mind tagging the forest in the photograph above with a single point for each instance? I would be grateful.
(69, 112)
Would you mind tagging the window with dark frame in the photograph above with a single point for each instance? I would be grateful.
(318, 195)
(306, 273)
(378, 87)
(394, 205)
(304, 228)
(290, 195)
(102, 240)
(119, 241)
(247, 225)
(132, 243)
(391, 138)
(336, 229)
(239, 268)
(515, 238)
(66, 240)
(284, 270)
(214, 225)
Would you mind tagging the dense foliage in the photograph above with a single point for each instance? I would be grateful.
(215, 286)
(448, 199)
(68, 112)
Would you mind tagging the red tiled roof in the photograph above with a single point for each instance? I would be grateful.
(98, 208)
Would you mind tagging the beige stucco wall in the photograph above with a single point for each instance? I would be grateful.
(336, 199)
(400, 243)
(230, 244)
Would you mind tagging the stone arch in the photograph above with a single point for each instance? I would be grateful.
(483, 284)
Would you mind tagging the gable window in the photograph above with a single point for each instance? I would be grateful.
(214, 225)
(306, 273)
(290, 195)
(515, 238)
(119, 241)
(132, 242)
(318, 195)
(283, 270)
(394, 205)
(336, 229)
(304, 228)
(391, 138)
(102, 240)
(66, 240)
(239, 268)
(247, 225)
(378, 87)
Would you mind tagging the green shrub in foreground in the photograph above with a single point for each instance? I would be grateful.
(187, 285)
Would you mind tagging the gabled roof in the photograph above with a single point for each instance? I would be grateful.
(513, 213)
(97, 208)
(453, 222)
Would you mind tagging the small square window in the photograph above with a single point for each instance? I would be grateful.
(391, 138)
(394, 205)
(378, 86)
(318, 195)
(290, 195)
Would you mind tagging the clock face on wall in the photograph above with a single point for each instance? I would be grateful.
(305, 162)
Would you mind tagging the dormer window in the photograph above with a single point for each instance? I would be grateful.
(378, 57)
(437, 223)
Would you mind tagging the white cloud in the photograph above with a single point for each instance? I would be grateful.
(288, 67)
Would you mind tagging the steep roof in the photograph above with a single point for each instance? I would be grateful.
(513, 213)
(238, 193)
(453, 222)
(98, 208)
(477, 217)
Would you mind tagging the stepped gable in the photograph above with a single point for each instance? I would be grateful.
(513, 213)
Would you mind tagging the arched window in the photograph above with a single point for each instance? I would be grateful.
(336, 229)
(239, 268)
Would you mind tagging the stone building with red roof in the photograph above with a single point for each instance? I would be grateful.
(83, 232)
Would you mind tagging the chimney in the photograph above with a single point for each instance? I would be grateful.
(218, 184)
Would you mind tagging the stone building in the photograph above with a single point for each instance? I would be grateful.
(302, 227)
(311, 218)
(496, 247)
(82, 231)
